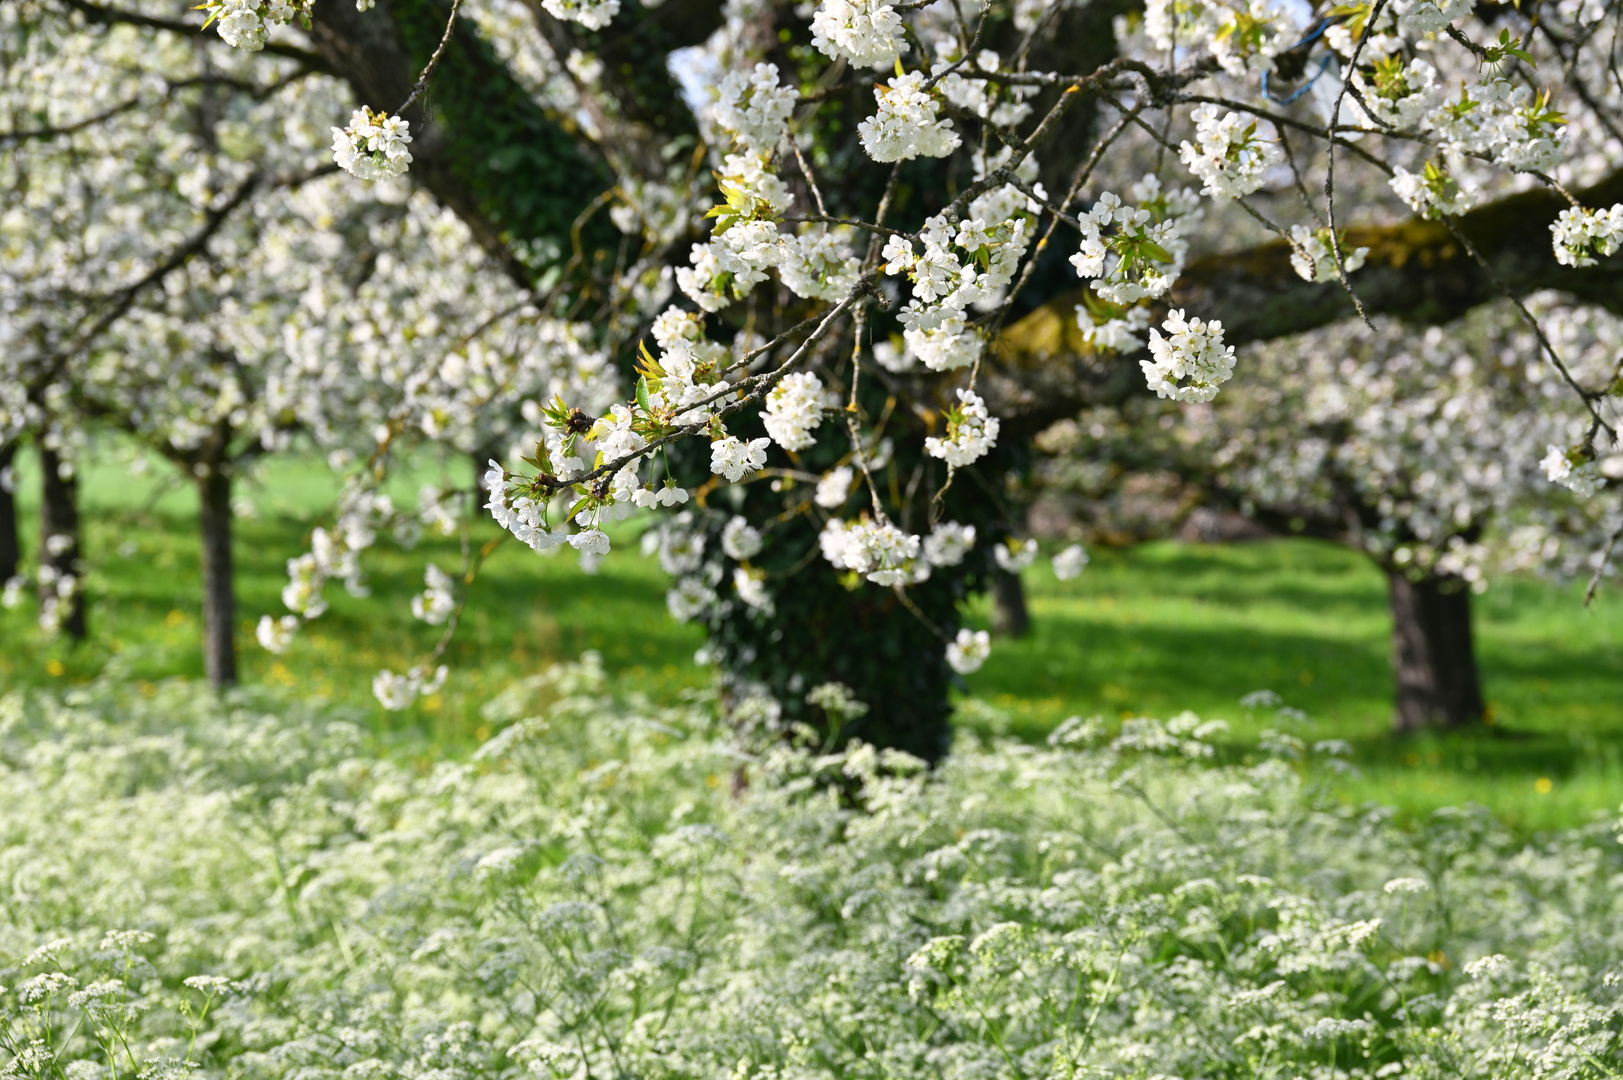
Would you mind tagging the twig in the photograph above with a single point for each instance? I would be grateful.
(1600, 569)
(433, 61)
(1330, 167)
(1583, 395)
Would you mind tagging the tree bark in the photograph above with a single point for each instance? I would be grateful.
(480, 142)
(59, 538)
(10, 548)
(1009, 615)
(219, 591)
(1433, 658)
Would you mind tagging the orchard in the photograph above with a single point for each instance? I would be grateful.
(815, 307)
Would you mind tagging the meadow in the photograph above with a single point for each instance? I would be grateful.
(1151, 630)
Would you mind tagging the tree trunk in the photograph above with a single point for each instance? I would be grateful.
(219, 592)
(1009, 615)
(1433, 658)
(59, 555)
(10, 549)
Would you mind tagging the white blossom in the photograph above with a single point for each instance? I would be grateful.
(1228, 153)
(834, 488)
(275, 635)
(436, 602)
(879, 551)
(1432, 192)
(740, 540)
(689, 599)
(590, 542)
(592, 14)
(1191, 362)
(754, 108)
(732, 457)
(751, 588)
(397, 692)
(1014, 554)
(373, 147)
(1579, 235)
(971, 432)
(794, 409)
(906, 127)
(868, 33)
(1069, 564)
(948, 544)
(969, 650)
(1314, 259)
(1582, 479)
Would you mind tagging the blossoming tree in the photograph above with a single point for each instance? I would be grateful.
(236, 294)
(831, 250)
(1430, 451)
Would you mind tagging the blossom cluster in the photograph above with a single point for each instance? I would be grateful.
(246, 24)
(906, 126)
(879, 551)
(1577, 472)
(1580, 235)
(1229, 153)
(867, 33)
(1191, 362)
(794, 409)
(1135, 252)
(1313, 255)
(971, 432)
(754, 108)
(373, 146)
(945, 282)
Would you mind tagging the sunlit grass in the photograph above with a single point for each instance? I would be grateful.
(1165, 627)
(1152, 630)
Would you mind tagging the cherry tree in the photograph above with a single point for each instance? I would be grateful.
(1431, 451)
(235, 295)
(878, 246)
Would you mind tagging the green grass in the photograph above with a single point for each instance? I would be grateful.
(528, 610)
(1164, 627)
(1152, 631)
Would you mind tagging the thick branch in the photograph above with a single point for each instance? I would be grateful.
(97, 13)
(1416, 271)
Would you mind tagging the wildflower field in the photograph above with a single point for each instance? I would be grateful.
(611, 886)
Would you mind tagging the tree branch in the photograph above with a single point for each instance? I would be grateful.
(97, 13)
(1417, 271)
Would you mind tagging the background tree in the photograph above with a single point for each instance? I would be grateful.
(883, 286)
(1423, 449)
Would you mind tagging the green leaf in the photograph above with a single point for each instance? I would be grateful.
(1155, 251)
(642, 394)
